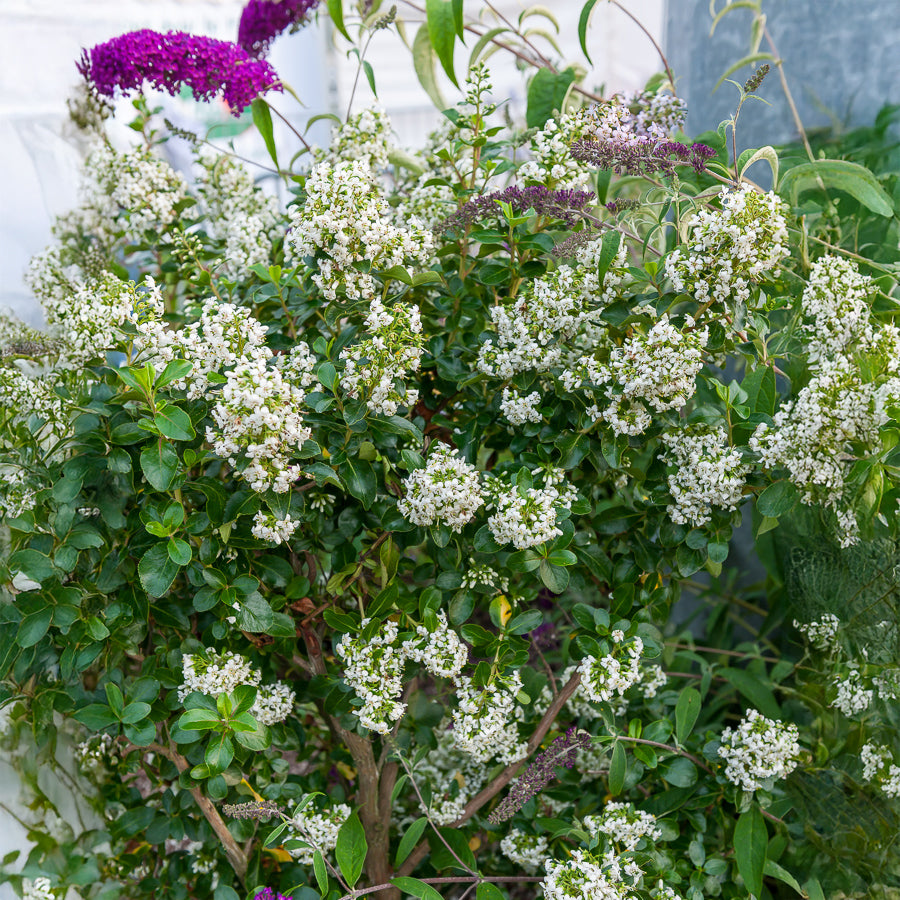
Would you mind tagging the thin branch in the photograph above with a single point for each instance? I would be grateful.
(652, 39)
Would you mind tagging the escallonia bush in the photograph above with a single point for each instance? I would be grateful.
(383, 541)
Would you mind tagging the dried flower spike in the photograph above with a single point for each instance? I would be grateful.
(255, 809)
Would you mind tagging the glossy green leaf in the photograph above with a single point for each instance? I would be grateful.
(546, 93)
(687, 709)
(174, 423)
(441, 21)
(159, 463)
(262, 119)
(350, 851)
(750, 842)
(156, 570)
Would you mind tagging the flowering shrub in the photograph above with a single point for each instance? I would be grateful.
(386, 541)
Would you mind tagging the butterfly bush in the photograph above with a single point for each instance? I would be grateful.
(383, 523)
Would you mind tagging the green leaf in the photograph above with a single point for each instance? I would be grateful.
(748, 157)
(680, 772)
(115, 699)
(359, 476)
(555, 578)
(774, 870)
(33, 627)
(416, 888)
(321, 873)
(173, 422)
(156, 570)
(410, 839)
(618, 766)
(35, 565)
(174, 371)
(608, 250)
(199, 720)
(97, 716)
(179, 551)
(259, 739)
(750, 842)
(754, 689)
(441, 21)
(546, 93)
(135, 712)
(777, 499)
(423, 63)
(159, 463)
(336, 12)
(255, 614)
(262, 119)
(841, 175)
(584, 22)
(219, 754)
(350, 851)
(686, 711)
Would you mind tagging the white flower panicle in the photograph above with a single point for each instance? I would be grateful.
(39, 889)
(730, 249)
(852, 695)
(526, 850)
(258, 419)
(707, 473)
(365, 136)
(624, 825)
(551, 163)
(267, 527)
(441, 651)
(604, 677)
(584, 877)
(447, 491)
(879, 767)
(484, 725)
(822, 633)
(482, 575)
(373, 367)
(273, 704)
(374, 669)
(242, 216)
(759, 750)
(518, 408)
(213, 673)
(319, 829)
(347, 220)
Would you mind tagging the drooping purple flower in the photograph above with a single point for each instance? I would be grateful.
(263, 20)
(640, 155)
(169, 61)
(269, 894)
(565, 205)
(537, 776)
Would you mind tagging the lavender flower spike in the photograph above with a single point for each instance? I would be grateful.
(169, 61)
(269, 894)
(537, 776)
(263, 20)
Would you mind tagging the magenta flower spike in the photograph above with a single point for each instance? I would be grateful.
(263, 20)
(209, 67)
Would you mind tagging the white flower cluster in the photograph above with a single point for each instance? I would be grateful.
(223, 335)
(887, 683)
(526, 850)
(267, 527)
(447, 491)
(319, 829)
(663, 892)
(730, 249)
(759, 750)
(441, 651)
(606, 676)
(365, 136)
(652, 679)
(84, 310)
(454, 778)
(707, 473)
(879, 766)
(852, 694)
(550, 163)
(484, 576)
(97, 754)
(258, 417)
(125, 194)
(39, 889)
(623, 824)
(585, 877)
(373, 667)
(373, 367)
(242, 216)
(812, 435)
(213, 673)
(484, 722)
(520, 409)
(346, 220)
(654, 114)
(273, 704)
(17, 491)
(822, 632)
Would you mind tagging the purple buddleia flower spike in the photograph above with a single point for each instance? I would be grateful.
(269, 894)
(168, 62)
(263, 20)
(565, 205)
(640, 156)
(537, 776)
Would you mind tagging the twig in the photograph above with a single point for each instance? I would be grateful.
(640, 25)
